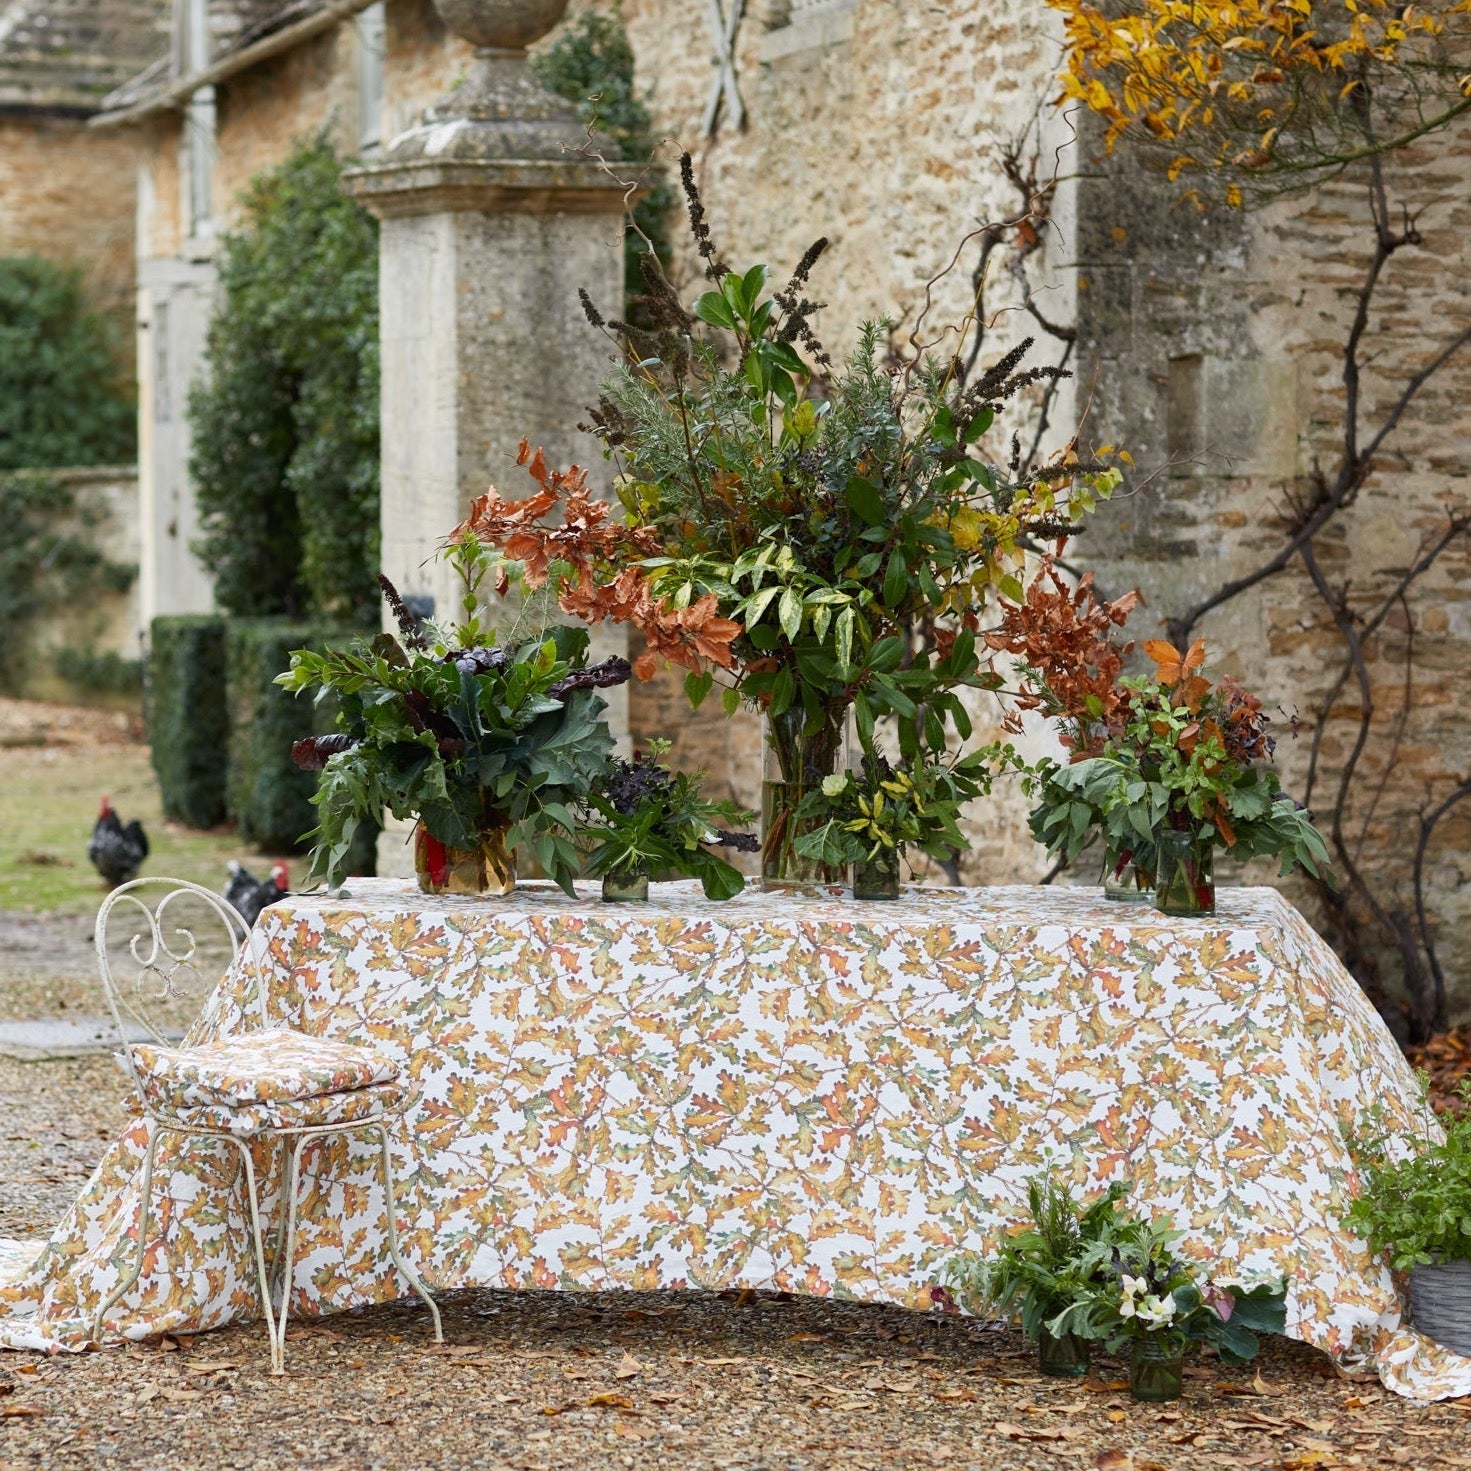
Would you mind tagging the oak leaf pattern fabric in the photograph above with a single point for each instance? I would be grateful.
(806, 1093)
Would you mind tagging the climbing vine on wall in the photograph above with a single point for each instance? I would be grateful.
(46, 562)
(590, 62)
(285, 418)
(64, 398)
(1247, 100)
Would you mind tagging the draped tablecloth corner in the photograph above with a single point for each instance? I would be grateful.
(806, 1092)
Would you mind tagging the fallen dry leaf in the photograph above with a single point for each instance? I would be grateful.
(169, 1392)
(628, 1367)
(819, 1338)
(1260, 1385)
(966, 1396)
(610, 1402)
(1113, 1460)
(630, 1431)
(1117, 1416)
(1033, 1432)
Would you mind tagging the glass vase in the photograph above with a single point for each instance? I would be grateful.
(621, 888)
(794, 763)
(1184, 883)
(1128, 876)
(487, 868)
(877, 878)
(1062, 1357)
(1157, 1369)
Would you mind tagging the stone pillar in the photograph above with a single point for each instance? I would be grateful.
(491, 221)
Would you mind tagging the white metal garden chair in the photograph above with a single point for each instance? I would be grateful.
(261, 1082)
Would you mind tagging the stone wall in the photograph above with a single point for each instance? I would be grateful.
(1217, 341)
(68, 195)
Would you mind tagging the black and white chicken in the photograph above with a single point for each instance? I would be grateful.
(116, 852)
(250, 895)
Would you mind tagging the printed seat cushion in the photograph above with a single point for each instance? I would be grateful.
(256, 1068)
(356, 1105)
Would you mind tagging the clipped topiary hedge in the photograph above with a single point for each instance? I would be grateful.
(268, 799)
(188, 719)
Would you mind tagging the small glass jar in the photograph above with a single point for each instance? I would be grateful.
(1184, 882)
(1128, 877)
(625, 888)
(1062, 1357)
(876, 879)
(1157, 1368)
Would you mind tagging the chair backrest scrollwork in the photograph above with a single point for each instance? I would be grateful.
(184, 938)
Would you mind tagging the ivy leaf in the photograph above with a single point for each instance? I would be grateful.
(697, 686)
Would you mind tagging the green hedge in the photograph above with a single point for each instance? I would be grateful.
(268, 799)
(222, 729)
(189, 722)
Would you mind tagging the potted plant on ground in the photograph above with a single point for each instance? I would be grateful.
(489, 746)
(1045, 1269)
(1417, 1210)
(656, 821)
(788, 525)
(869, 818)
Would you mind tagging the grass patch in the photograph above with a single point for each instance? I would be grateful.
(48, 803)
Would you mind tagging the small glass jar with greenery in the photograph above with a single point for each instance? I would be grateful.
(1042, 1271)
(869, 818)
(652, 820)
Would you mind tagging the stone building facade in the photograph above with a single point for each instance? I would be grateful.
(58, 60)
(1206, 345)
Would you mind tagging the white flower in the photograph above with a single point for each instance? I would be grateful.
(1133, 1286)
(1158, 1310)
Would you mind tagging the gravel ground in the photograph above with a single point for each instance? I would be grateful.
(562, 1382)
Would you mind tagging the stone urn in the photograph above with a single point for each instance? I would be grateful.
(499, 132)
(510, 25)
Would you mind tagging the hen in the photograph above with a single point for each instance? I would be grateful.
(116, 852)
(250, 895)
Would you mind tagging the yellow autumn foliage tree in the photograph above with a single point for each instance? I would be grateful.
(1268, 95)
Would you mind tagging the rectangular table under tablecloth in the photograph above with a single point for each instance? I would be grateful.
(794, 1091)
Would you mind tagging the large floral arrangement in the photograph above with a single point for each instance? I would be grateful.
(812, 537)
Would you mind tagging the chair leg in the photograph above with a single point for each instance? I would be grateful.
(293, 1169)
(128, 1282)
(399, 1260)
(263, 1281)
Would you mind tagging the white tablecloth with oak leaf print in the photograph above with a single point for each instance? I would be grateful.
(800, 1092)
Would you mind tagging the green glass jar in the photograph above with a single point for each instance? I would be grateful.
(876, 880)
(1184, 882)
(625, 888)
(1157, 1368)
(1062, 1357)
